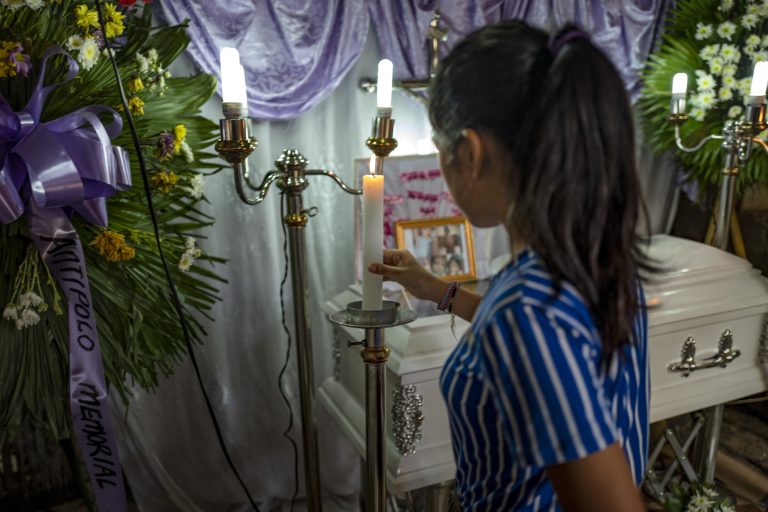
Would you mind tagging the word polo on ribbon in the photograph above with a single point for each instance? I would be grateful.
(47, 171)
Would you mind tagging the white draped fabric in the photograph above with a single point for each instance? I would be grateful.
(168, 446)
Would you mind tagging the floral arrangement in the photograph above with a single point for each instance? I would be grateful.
(138, 327)
(716, 43)
(697, 498)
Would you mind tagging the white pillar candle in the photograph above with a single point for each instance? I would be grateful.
(384, 89)
(373, 236)
(759, 84)
(233, 88)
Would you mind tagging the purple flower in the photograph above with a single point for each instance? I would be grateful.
(98, 35)
(165, 146)
(19, 60)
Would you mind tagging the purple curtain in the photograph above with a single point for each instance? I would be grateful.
(295, 52)
(624, 30)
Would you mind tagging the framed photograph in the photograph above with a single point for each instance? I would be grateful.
(442, 245)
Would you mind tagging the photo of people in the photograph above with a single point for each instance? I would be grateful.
(442, 246)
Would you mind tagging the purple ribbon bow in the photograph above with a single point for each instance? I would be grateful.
(48, 170)
(68, 162)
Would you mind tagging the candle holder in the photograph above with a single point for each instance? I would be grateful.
(291, 174)
(375, 354)
(737, 138)
(435, 35)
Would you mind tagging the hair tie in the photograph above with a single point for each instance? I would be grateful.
(556, 43)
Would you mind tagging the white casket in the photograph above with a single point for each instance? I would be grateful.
(704, 296)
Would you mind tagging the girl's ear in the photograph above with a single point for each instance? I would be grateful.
(473, 152)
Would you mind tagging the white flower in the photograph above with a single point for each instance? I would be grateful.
(152, 55)
(189, 243)
(29, 317)
(143, 63)
(89, 53)
(698, 113)
(186, 262)
(729, 81)
(709, 492)
(10, 312)
(703, 31)
(716, 66)
(195, 188)
(709, 51)
(74, 42)
(753, 9)
(752, 41)
(744, 85)
(729, 70)
(20, 324)
(705, 82)
(725, 508)
(734, 111)
(30, 299)
(107, 51)
(749, 21)
(35, 4)
(725, 94)
(726, 5)
(197, 253)
(730, 53)
(699, 503)
(759, 56)
(186, 151)
(705, 100)
(726, 30)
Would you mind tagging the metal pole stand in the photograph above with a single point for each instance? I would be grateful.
(375, 354)
(235, 145)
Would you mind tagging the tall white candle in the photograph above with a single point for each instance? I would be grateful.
(759, 84)
(373, 236)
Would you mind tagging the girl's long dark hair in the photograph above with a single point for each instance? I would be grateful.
(564, 117)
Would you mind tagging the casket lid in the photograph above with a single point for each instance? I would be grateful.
(699, 280)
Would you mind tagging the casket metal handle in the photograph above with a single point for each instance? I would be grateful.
(688, 363)
(407, 418)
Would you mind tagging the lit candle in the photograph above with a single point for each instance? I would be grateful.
(384, 88)
(373, 236)
(759, 84)
(233, 80)
(679, 86)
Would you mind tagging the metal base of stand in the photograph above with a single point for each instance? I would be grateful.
(375, 354)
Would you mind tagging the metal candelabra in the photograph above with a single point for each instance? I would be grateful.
(235, 145)
(737, 143)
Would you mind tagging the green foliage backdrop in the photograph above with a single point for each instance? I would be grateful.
(138, 327)
(716, 43)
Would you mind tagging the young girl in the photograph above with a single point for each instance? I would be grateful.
(547, 392)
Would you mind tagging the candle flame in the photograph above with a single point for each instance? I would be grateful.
(372, 165)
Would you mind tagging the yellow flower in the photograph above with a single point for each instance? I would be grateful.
(112, 246)
(164, 181)
(113, 21)
(86, 18)
(179, 134)
(136, 105)
(135, 84)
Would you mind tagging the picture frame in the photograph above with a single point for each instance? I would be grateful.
(442, 245)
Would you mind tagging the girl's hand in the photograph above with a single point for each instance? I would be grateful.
(401, 266)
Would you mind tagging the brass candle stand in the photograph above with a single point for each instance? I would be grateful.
(737, 143)
(235, 145)
(290, 176)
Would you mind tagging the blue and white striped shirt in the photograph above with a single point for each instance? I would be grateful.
(527, 387)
